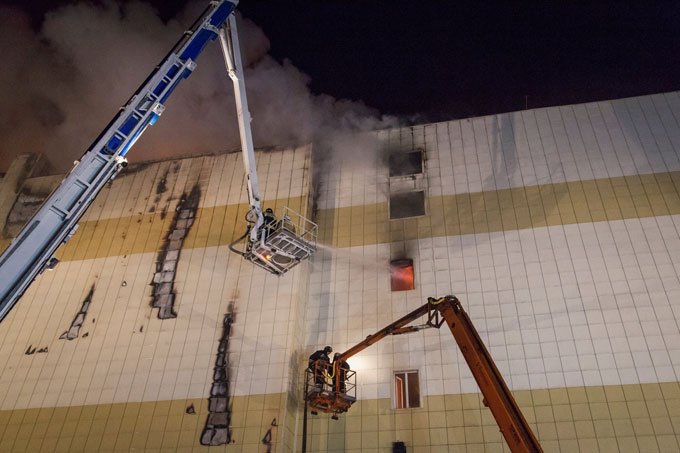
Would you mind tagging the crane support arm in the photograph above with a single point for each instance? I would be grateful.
(57, 218)
(231, 50)
(396, 328)
(497, 396)
(232, 56)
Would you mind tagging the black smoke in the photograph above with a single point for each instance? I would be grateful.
(63, 83)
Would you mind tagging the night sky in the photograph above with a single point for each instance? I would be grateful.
(438, 60)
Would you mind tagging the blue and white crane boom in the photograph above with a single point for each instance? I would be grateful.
(275, 245)
(58, 217)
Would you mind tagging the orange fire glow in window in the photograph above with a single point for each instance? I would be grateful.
(401, 275)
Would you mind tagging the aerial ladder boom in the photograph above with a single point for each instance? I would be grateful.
(232, 57)
(57, 219)
(276, 245)
(497, 396)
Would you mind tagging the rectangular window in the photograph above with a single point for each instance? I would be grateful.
(407, 204)
(404, 164)
(401, 275)
(406, 390)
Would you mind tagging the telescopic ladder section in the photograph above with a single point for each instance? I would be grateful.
(57, 219)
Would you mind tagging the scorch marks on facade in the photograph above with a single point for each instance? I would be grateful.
(73, 331)
(166, 267)
(217, 429)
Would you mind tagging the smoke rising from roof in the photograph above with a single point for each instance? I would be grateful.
(67, 81)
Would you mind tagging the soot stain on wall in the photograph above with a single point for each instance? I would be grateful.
(161, 188)
(78, 321)
(217, 430)
(166, 265)
(268, 436)
(26, 205)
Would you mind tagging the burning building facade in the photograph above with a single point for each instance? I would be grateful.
(557, 228)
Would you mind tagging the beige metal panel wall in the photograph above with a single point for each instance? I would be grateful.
(87, 342)
(550, 145)
(559, 229)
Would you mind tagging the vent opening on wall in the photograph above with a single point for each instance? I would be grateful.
(401, 275)
(404, 164)
(407, 204)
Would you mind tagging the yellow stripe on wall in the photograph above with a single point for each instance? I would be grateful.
(535, 206)
(144, 426)
(595, 200)
(632, 417)
(145, 233)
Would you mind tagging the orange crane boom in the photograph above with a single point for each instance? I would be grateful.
(497, 396)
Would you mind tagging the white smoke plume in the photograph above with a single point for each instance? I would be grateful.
(67, 81)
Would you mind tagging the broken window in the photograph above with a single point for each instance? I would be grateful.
(406, 390)
(407, 204)
(401, 275)
(404, 164)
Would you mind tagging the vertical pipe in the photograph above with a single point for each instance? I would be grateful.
(304, 418)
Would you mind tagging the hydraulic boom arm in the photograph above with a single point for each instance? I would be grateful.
(274, 245)
(497, 396)
(232, 57)
(57, 219)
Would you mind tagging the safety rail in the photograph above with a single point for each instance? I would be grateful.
(281, 242)
(330, 391)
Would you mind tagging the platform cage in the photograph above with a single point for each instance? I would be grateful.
(282, 242)
(328, 391)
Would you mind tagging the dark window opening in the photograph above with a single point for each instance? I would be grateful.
(404, 164)
(406, 390)
(401, 275)
(407, 204)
